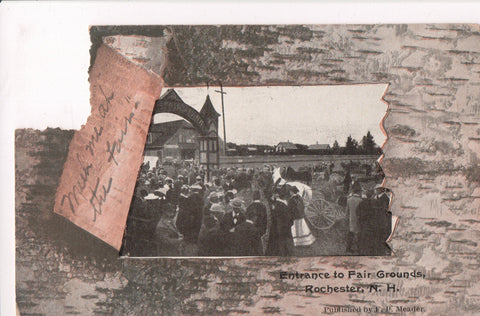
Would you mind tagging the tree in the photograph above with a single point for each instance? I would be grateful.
(335, 148)
(368, 144)
(351, 146)
(231, 145)
(302, 149)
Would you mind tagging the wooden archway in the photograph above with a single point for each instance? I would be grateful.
(170, 102)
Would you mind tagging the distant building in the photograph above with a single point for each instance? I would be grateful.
(286, 147)
(249, 150)
(318, 146)
(172, 140)
(231, 151)
(319, 149)
(265, 149)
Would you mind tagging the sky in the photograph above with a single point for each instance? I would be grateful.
(300, 114)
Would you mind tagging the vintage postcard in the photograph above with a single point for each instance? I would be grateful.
(278, 169)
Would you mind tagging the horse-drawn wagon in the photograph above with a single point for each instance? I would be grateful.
(321, 213)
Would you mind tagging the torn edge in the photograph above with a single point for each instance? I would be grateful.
(395, 219)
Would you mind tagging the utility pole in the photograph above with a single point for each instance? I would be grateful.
(223, 118)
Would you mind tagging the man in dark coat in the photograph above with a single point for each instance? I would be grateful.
(369, 217)
(168, 239)
(176, 190)
(189, 219)
(211, 241)
(347, 181)
(183, 220)
(140, 228)
(280, 240)
(260, 212)
(247, 237)
(381, 202)
(199, 183)
(236, 216)
(227, 197)
(295, 202)
(196, 202)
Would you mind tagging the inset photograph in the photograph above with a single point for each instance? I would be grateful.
(262, 171)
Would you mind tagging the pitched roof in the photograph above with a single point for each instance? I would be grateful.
(287, 145)
(319, 146)
(162, 132)
(208, 110)
(171, 96)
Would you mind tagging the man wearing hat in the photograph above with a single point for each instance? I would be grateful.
(168, 239)
(180, 180)
(227, 197)
(381, 202)
(369, 241)
(189, 219)
(196, 205)
(260, 212)
(228, 224)
(381, 197)
(217, 187)
(247, 237)
(280, 239)
(199, 182)
(234, 217)
(217, 211)
(170, 192)
(210, 239)
(168, 183)
(175, 191)
(184, 220)
(212, 199)
(227, 184)
(353, 203)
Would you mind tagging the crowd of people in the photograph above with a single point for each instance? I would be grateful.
(369, 221)
(240, 212)
(184, 216)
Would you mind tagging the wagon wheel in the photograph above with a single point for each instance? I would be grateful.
(322, 214)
